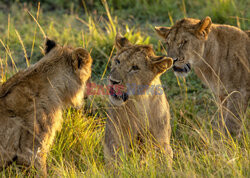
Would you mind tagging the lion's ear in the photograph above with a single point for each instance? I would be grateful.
(49, 45)
(161, 63)
(203, 27)
(80, 58)
(121, 41)
(162, 31)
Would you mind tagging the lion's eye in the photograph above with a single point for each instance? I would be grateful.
(182, 44)
(134, 68)
(117, 61)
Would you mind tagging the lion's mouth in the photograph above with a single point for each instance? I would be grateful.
(185, 69)
(118, 95)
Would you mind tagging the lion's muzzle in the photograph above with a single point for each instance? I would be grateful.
(116, 91)
(185, 69)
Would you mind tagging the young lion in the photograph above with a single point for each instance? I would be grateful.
(220, 57)
(31, 104)
(140, 107)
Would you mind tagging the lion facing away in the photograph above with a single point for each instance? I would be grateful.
(31, 104)
(220, 56)
(141, 105)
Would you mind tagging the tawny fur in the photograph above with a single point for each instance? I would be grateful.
(140, 113)
(220, 56)
(31, 104)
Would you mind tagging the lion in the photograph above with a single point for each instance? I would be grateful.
(138, 103)
(220, 57)
(248, 32)
(32, 101)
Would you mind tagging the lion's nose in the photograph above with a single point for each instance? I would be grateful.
(114, 81)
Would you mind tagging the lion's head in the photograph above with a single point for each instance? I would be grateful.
(185, 41)
(133, 65)
(72, 68)
(78, 59)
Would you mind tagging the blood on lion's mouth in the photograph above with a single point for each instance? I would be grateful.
(121, 96)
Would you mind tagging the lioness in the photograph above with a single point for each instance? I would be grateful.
(31, 104)
(220, 57)
(141, 106)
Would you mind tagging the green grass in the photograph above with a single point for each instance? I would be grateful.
(77, 150)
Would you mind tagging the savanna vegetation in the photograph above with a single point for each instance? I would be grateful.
(199, 151)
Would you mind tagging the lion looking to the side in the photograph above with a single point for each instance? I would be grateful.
(31, 104)
(141, 105)
(220, 56)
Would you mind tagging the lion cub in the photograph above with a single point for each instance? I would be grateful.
(141, 105)
(220, 56)
(31, 104)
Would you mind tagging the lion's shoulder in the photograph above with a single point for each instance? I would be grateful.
(11, 82)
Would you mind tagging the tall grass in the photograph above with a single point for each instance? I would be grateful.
(199, 151)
